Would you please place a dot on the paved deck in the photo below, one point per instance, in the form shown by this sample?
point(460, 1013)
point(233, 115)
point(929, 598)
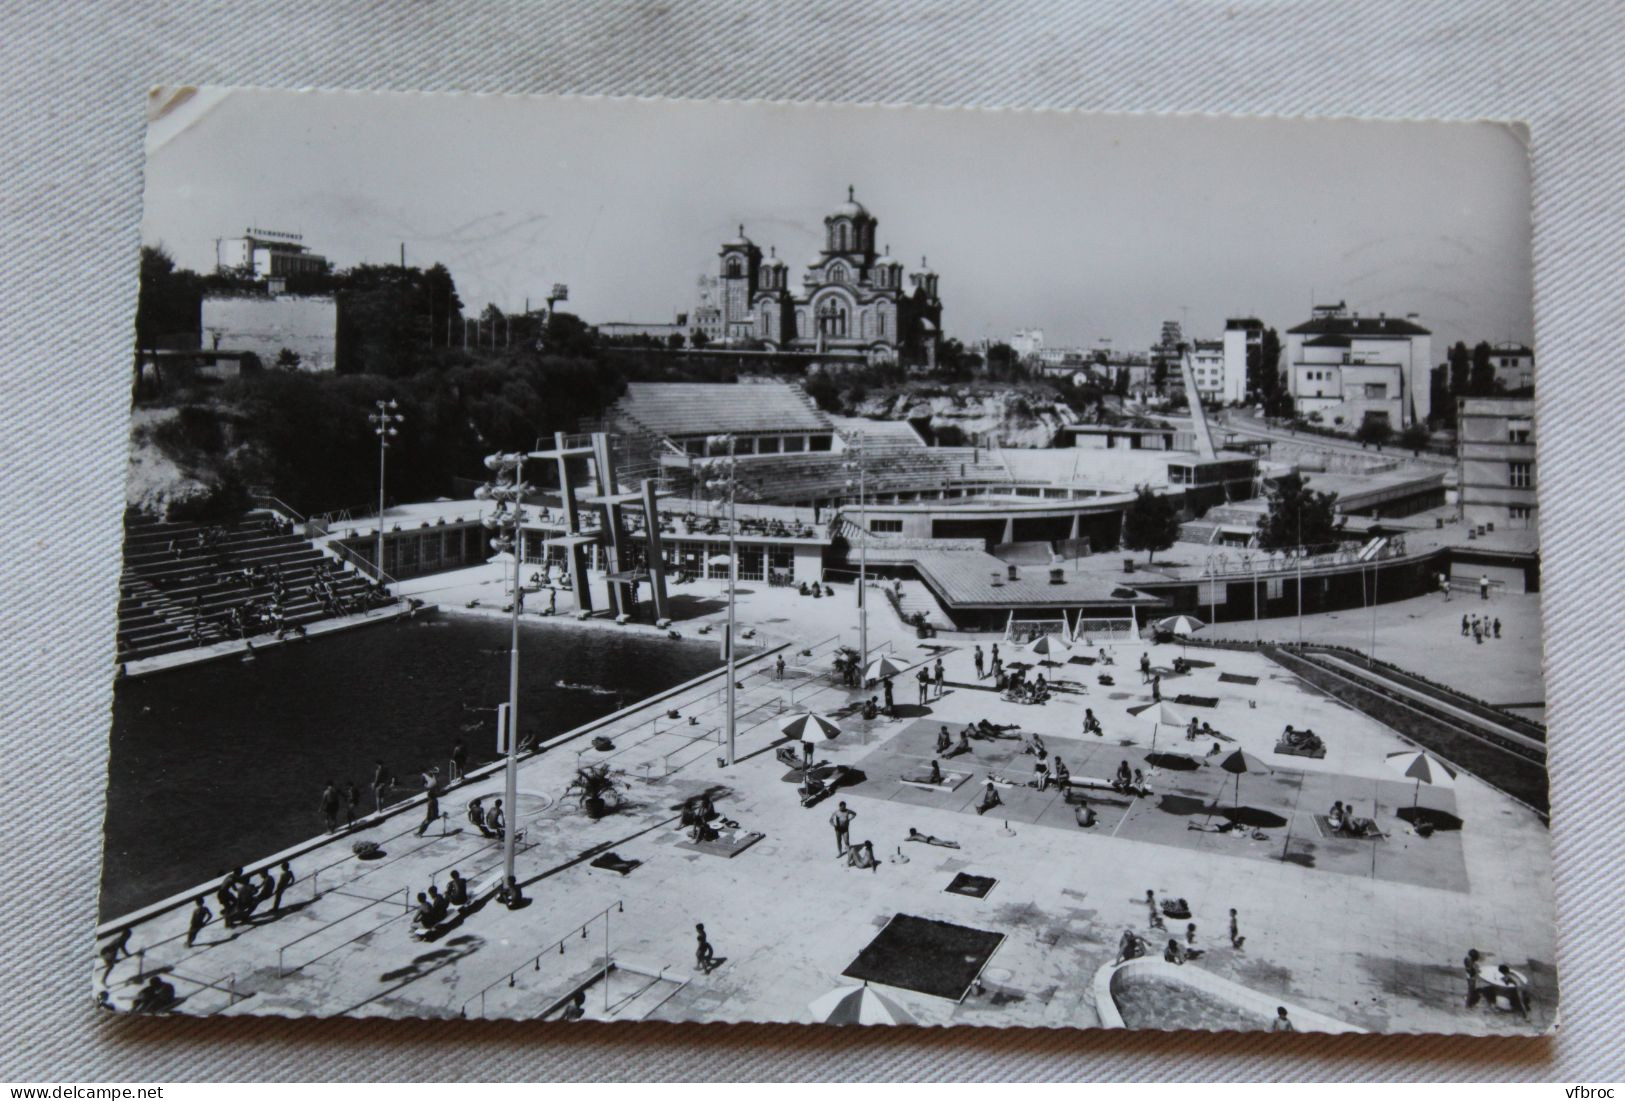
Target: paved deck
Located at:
point(1367, 932)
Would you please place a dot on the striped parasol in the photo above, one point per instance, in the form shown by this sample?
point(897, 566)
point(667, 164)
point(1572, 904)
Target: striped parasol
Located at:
point(858, 1005)
point(1424, 768)
point(1046, 646)
point(881, 668)
point(1180, 626)
point(807, 725)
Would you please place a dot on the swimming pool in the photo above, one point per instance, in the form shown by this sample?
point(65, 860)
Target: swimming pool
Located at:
point(217, 764)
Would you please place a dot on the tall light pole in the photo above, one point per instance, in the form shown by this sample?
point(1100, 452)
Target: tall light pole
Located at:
point(859, 463)
point(727, 481)
point(383, 423)
point(508, 491)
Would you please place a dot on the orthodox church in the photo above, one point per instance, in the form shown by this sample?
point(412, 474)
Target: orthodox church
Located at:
point(851, 300)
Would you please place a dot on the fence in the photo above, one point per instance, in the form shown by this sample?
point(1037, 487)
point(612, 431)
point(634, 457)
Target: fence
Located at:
point(600, 972)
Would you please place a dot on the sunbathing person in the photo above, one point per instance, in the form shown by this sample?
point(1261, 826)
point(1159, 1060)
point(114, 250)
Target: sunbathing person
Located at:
point(862, 855)
point(990, 799)
point(1191, 730)
point(1174, 953)
point(945, 740)
point(1091, 725)
point(936, 772)
point(1124, 775)
point(1085, 815)
point(1060, 774)
point(930, 839)
point(1192, 952)
point(963, 746)
point(1040, 775)
point(1334, 817)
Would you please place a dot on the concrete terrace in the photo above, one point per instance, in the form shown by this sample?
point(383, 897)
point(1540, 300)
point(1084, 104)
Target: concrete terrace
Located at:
point(1368, 932)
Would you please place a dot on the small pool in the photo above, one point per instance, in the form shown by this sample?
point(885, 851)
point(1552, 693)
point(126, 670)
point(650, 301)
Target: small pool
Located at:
point(1148, 1002)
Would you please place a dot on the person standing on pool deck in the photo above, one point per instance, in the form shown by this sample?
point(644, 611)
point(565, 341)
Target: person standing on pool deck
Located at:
point(885, 686)
point(1156, 687)
point(705, 956)
point(936, 675)
point(1470, 965)
point(1236, 939)
point(330, 806)
point(201, 916)
point(353, 810)
point(842, 821)
point(495, 821)
point(1483, 586)
point(978, 662)
point(1145, 667)
point(1281, 1023)
point(1465, 625)
point(459, 760)
point(431, 811)
point(924, 680)
point(284, 880)
point(380, 781)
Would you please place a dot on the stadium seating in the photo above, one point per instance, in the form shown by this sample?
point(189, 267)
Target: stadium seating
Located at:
point(163, 592)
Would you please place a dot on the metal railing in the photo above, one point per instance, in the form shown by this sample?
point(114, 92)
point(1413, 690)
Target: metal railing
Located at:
point(557, 947)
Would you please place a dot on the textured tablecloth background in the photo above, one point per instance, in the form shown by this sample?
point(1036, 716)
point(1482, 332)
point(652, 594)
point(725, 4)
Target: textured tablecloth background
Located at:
point(75, 76)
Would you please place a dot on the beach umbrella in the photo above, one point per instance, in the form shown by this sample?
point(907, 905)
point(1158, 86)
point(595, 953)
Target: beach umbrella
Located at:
point(881, 668)
point(807, 725)
point(1161, 713)
point(1424, 768)
point(1181, 626)
point(1238, 762)
point(1045, 646)
point(858, 1005)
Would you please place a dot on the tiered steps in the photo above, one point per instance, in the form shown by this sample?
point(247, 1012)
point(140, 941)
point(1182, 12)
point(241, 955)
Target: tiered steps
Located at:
point(171, 581)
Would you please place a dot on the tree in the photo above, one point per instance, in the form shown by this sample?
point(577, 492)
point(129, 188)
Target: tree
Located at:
point(1280, 404)
point(1298, 516)
point(287, 359)
point(1461, 366)
point(1264, 367)
point(1415, 437)
point(1482, 382)
point(1439, 398)
point(697, 339)
point(1149, 523)
point(1374, 428)
point(168, 308)
point(675, 342)
point(1001, 361)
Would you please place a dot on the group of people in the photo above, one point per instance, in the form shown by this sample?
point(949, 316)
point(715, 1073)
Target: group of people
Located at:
point(1481, 628)
point(1304, 741)
point(239, 896)
point(815, 589)
point(1507, 983)
point(1342, 819)
point(435, 907)
point(1018, 689)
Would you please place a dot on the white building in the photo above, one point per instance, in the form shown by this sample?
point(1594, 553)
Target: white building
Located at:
point(1207, 367)
point(1342, 367)
point(306, 325)
point(268, 254)
point(1028, 343)
point(1243, 344)
point(1514, 366)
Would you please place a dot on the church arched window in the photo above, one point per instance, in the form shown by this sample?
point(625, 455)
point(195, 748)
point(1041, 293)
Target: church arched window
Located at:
point(842, 241)
point(837, 273)
point(734, 270)
point(832, 318)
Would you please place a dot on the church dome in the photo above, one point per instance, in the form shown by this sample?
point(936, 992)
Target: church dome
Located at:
point(740, 241)
point(851, 208)
point(773, 262)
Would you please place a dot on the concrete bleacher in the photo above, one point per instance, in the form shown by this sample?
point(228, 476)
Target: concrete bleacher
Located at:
point(164, 592)
point(683, 409)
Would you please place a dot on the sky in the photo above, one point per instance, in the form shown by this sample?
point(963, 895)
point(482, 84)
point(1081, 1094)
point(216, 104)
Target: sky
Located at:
point(1088, 226)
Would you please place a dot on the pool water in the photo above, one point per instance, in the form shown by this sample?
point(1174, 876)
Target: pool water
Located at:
point(1146, 1002)
point(223, 763)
